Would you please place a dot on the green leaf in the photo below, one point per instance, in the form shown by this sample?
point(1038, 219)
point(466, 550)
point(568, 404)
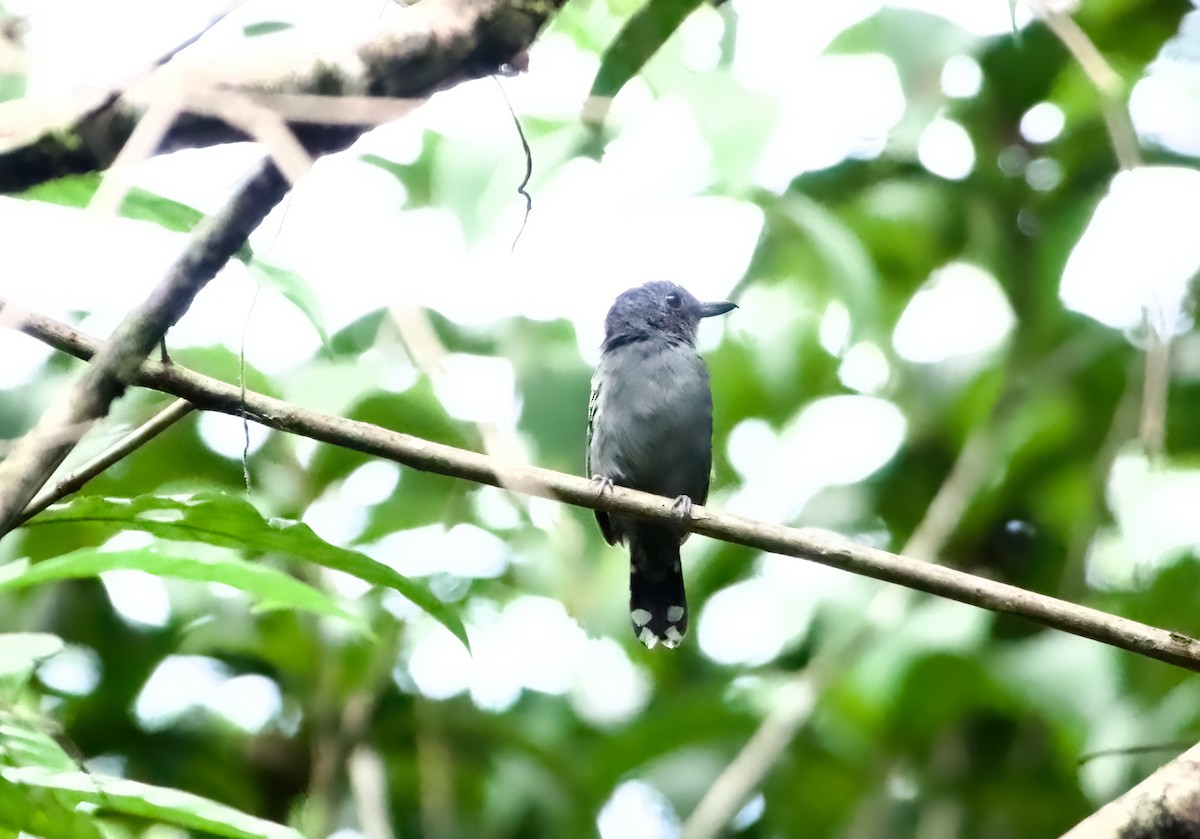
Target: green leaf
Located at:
point(19, 654)
point(71, 191)
point(37, 812)
point(78, 190)
point(273, 588)
point(292, 286)
point(231, 522)
point(416, 177)
point(130, 798)
point(25, 742)
point(266, 27)
point(173, 215)
point(21, 651)
point(641, 36)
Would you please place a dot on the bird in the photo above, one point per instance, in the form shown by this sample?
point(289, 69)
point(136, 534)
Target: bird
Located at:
point(650, 428)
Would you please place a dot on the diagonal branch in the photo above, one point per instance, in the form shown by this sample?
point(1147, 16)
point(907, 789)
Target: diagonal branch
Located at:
point(806, 543)
point(1165, 804)
point(427, 47)
point(1102, 76)
point(35, 456)
point(128, 444)
point(439, 43)
point(798, 698)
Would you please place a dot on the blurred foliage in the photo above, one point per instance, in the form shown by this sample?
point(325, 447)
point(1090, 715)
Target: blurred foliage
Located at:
point(951, 723)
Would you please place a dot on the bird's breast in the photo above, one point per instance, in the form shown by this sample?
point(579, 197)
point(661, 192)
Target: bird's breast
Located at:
point(652, 429)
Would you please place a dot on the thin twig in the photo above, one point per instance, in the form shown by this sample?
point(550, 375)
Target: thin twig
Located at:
point(1165, 804)
point(128, 444)
point(528, 164)
point(798, 699)
point(368, 785)
point(1122, 428)
point(816, 545)
point(1126, 751)
point(428, 355)
point(150, 129)
point(33, 459)
point(146, 137)
point(435, 763)
point(971, 470)
point(433, 45)
point(229, 9)
point(242, 385)
point(1102, 76)
point(341, 723)
point(1156, 383)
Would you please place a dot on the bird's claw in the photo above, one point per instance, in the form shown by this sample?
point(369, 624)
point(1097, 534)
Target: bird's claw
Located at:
point(682, 508)
point(603, 485)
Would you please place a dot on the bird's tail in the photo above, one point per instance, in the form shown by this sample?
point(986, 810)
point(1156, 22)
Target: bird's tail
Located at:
point(657, 603)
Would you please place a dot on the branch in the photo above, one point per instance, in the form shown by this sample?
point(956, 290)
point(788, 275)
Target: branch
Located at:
point(806, 543)
point(132, 441)
point(35, 456)
point(369, 788)
point(798, 698)
point(1165, 804)
point(429, 46)
point(1102, 76)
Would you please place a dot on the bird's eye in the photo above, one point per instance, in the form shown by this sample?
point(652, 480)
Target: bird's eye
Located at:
point(673, 301)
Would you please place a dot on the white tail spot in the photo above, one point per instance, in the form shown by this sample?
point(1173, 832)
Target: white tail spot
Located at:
point(673, 637)
point(641, 617)
point(648, 638)
point(674, 613)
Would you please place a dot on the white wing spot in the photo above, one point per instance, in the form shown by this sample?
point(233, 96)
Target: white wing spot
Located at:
point(648, 638)
point(641, 617)
point(674, 613)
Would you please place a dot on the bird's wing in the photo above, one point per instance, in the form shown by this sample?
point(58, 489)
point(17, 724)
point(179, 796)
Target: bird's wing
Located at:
point(702, 496)
point(593, 402)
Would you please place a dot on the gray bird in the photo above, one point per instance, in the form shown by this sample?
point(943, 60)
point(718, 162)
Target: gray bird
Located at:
point(650, 428)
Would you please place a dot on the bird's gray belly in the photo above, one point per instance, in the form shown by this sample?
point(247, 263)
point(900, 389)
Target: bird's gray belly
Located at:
point(653, 429)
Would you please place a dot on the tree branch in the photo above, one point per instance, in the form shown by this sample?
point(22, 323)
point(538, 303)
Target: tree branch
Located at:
point(1102, 76)
point(128, 444)
point(438, 44)
point(798, 698)
point(806, 543)
point(1165, 804)
point(35, 456)
point(428, 47)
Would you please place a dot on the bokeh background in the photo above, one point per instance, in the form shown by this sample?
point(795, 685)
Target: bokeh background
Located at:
point(960, 331)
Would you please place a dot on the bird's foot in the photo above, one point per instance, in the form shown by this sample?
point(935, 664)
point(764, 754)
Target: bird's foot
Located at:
point(602, 485)
point(162, 346)
point(682, 508)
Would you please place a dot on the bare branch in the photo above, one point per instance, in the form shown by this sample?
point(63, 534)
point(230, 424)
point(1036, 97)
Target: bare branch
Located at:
point(128, 444)
point(806, 543)
point(1165, 804)
point(33, 459)
point(429, 46)
point(798, 699)
point(1102, 76)
point(1156, 383)
point(368, 785)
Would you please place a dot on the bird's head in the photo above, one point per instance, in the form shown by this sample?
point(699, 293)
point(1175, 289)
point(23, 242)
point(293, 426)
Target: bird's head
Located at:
point(657, 310)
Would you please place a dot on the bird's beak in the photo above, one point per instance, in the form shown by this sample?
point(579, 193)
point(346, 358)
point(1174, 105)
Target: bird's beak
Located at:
point(708, 310)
